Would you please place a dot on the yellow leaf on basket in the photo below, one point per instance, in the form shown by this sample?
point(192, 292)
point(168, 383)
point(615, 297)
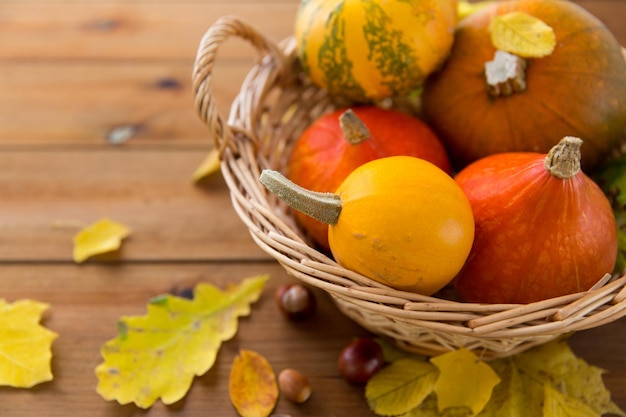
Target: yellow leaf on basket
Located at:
point(100, 237)
point(465, 8)
point(25, 345)
point(209, 166)
point(522, 34)
point(464, 380)
point(252, 385)
point(157, 355)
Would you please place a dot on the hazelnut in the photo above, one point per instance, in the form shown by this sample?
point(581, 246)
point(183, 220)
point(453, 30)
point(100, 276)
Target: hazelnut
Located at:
point(294, 386)
point(295, 301)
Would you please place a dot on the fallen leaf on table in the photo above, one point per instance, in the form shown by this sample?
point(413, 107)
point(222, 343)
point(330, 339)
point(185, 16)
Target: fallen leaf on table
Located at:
point(558, 405)
point(252, 385)
point(401, 386)
point(25, 345)
point(157, 355)
point(522, 34)
point(100, 237)
point(464, 380)
point(209, 166)
point(554, 365)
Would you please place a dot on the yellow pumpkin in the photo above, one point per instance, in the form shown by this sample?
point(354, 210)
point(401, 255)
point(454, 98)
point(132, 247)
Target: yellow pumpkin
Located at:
point(370, 50)
point(398, 220)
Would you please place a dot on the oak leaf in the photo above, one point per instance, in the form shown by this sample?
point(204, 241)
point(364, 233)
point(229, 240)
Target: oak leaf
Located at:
point(522, 34)
point(157, 355)
point(252, 385)
point(25, 345)
point(100, 237)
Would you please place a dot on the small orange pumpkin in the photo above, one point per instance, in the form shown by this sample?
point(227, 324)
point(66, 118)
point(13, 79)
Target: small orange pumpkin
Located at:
point(578, 90)
point(340, 141)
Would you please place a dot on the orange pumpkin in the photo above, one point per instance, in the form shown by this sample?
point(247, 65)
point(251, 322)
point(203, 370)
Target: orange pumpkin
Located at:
point(543, 228)
point(578, 90)
point(326, 152)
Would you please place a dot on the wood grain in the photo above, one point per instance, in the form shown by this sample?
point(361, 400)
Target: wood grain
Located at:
point(97, 120)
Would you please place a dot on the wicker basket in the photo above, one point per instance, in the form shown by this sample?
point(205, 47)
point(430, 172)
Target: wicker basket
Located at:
point(275, 104)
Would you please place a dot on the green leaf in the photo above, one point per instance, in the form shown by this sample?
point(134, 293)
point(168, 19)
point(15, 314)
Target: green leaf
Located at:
point(522, 34)
point(464, 380)
point(401, 386)
point(157, 355)
point(25, 345)
point(612, 179)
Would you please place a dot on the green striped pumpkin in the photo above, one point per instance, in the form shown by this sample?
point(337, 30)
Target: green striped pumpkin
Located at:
point(368, 50)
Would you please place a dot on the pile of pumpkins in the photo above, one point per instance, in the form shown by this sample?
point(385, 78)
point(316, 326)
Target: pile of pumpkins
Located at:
point(486, 188)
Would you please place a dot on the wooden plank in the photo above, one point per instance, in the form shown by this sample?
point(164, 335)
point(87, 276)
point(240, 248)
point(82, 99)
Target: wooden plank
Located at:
point(126, 30)
point(86, 302)
point(129, 30)
point(86, 102)
point(48, 195)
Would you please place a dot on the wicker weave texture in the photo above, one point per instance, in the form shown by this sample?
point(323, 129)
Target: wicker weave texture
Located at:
point(275, 104)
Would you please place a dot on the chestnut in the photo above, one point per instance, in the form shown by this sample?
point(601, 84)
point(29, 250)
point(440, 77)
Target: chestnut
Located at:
point(360, 360)
point(295, 301)
point(294, 386)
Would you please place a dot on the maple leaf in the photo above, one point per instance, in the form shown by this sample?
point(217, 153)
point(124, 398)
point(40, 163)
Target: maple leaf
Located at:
point(100, 237)
point(252, 387)
point(157, 355)
point(25, 345)
point(464, 380)
point(526, 375)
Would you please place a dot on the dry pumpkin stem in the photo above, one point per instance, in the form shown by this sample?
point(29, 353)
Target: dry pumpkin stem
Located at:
point(353, 128)
point(563, 160)
point(324, 207)
point(506, 74)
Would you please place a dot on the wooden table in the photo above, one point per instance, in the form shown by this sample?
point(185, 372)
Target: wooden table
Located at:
point(97, 120)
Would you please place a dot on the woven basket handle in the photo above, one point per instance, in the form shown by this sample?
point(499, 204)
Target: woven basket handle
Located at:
point(217, 34)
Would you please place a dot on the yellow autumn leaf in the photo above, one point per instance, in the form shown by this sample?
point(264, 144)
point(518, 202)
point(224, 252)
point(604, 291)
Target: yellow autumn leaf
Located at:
point(522, 34)
point(25, 345)
point(464, 380)
point(209, 166)
point(252, 385)
point(558, 405)
point(158, 354)
point(465, 8)
point(100, 237)
point(401, 386)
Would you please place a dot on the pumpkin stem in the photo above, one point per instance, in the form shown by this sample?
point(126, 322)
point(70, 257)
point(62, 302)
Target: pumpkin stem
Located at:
point(506, 74)
point(563, 160)
point(323, 207)
point(353, 128)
